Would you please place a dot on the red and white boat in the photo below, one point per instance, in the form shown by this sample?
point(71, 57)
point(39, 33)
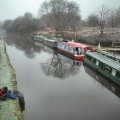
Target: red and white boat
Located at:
point(73, 50)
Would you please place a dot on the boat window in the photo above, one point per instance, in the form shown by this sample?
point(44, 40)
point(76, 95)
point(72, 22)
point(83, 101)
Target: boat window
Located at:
point(118, 74)
point(97, 62)
point(88, 57)
point(66, 47)
point(70, 49)
point(59, 45)
point(101, 65)
point(94, 60)
point(82, 50)
point(74, 51)
point(108, 69)
point(79, 50)
point(62, 46)
point(113, 72)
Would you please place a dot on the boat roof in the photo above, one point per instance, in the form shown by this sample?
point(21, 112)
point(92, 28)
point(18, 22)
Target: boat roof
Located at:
point(104, 59)
point(75, 44)
point(51, 40)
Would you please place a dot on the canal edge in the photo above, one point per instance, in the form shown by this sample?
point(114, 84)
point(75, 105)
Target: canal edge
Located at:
point(9, 108)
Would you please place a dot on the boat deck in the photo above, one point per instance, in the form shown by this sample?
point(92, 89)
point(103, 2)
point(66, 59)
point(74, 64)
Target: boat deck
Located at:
point(106, 60)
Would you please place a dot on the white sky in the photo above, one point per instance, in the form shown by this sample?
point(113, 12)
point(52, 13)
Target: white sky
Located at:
point(10, 9)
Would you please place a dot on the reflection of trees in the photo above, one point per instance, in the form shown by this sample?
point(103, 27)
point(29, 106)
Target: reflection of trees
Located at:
point(60, 66)
point(103, 81)
point(56, 63)
point(25, 43)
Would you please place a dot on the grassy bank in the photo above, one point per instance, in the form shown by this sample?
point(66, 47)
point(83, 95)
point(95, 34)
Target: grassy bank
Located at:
point(10, 109)
point(92, 36)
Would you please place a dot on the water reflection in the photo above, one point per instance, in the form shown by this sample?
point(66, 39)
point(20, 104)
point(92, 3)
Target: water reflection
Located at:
point(60, 66)
point(77, 97)
point(24, 43)
point(114, 88)
point(47, 97)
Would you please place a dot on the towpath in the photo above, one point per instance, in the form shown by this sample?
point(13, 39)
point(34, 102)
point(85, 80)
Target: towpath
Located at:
point(10, 109)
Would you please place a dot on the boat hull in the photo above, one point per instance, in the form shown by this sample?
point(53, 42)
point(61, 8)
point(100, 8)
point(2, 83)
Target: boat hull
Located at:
point(69, 54)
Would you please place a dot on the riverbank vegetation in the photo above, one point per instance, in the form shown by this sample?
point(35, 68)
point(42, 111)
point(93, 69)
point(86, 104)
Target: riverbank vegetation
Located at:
point(23, 24)
point(63, 17)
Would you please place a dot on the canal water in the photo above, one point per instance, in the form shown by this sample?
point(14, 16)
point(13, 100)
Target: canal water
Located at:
point(58, 88)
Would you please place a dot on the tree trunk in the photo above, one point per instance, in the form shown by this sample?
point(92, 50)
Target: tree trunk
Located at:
point(101, 32)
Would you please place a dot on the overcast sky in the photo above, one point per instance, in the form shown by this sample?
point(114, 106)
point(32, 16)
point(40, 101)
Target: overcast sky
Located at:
point(10, 9)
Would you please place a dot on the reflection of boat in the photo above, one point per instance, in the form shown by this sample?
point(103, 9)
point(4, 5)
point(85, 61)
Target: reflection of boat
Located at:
point(104, 64)
point(73, 50)
point(103, 81)
point(61, 66)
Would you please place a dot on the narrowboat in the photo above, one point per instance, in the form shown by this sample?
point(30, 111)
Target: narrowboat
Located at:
point(104, 64)
point(73, 50)
point(50, 42)
point(38, 38)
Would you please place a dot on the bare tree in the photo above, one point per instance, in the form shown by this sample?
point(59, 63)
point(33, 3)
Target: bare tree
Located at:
point(112, 19)
point(92, 20)
point(1, 24)
point(102, 15)
point(61, 13)
point(7, 25)
point(23, 24)
point(117, 17)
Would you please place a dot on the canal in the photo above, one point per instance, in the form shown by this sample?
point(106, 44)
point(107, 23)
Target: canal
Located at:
point(57, 88)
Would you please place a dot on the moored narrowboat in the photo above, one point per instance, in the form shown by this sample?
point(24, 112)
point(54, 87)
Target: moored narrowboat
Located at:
point(39, 38)
point(73, 50)
point(104, 64)
point(50, 42)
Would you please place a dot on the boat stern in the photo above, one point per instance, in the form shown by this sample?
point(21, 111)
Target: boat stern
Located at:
point(79, 58)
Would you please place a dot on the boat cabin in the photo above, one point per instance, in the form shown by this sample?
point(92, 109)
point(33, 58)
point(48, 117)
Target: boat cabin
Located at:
point(105, 65)
point(76, 50)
